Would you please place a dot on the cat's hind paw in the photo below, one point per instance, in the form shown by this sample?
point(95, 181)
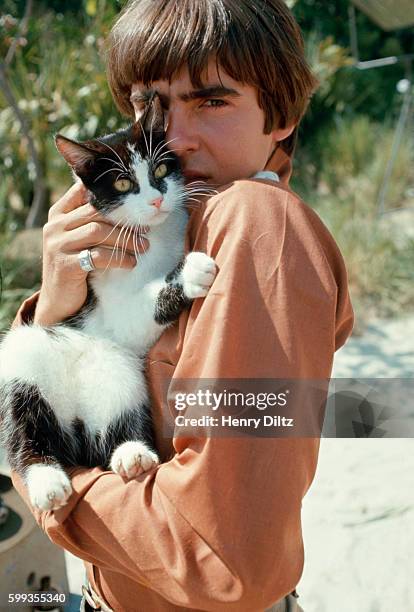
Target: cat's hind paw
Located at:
point(48, 486)
point(133, 458)
point(197, 275)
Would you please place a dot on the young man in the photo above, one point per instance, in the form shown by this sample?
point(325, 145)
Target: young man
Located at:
point(217, 526)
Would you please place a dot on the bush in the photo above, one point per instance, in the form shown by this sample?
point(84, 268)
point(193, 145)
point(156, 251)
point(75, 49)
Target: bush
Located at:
point(345, 193)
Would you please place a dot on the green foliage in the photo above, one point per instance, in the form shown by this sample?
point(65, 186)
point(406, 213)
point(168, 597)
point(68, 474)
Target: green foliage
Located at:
point(20, 278)
point(58, 78)
point(345, 193)
point(62, 89)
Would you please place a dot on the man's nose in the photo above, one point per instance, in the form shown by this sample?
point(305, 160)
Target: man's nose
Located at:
point(180, 130)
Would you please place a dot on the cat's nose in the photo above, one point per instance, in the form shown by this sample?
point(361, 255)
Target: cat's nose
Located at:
point(157, 202)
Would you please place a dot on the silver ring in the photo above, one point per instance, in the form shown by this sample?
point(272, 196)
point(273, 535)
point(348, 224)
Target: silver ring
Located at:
point(85, 261)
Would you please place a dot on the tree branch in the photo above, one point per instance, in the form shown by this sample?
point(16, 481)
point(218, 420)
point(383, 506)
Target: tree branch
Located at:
point(21, 32)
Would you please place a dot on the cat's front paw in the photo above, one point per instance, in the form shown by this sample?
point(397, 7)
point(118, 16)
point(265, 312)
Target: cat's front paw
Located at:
point(48, 486)
point(132, 459)
point(197, 275)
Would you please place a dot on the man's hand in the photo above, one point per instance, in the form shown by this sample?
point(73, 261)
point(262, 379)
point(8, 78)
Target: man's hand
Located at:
point(75, 225)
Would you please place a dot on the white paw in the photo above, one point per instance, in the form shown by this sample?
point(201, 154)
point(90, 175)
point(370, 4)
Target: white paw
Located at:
point(197, 275)
point(48, 486)
point(132, 459)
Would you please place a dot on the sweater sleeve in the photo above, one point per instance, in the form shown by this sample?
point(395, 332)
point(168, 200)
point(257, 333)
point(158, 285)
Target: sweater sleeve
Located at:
point(218, 526)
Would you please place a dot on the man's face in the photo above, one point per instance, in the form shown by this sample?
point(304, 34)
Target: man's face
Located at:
point(218, 135)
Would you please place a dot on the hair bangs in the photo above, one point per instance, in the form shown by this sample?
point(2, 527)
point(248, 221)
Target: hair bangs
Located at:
point(183, 34)
point(256, 42)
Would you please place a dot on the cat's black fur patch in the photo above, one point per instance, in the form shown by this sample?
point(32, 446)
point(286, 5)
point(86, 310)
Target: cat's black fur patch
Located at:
point(174, 274)
point(30, 428)
point(75, 321)
point(31, 431)
point(171, 300)
point(109, 150)
point(51, 332)
point(170, 303)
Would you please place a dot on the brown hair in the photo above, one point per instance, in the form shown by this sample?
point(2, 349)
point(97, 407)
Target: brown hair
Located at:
point(257, 42)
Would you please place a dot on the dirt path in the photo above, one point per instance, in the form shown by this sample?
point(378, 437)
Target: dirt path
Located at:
point(358, 517)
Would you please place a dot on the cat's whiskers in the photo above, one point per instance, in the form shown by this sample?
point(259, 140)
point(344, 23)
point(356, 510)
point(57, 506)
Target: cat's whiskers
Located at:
point(201, 190)
point(163, 157)
point(194, 200)
point(124, 230)
point(160, 147)
point(110, 170)
point(161, 152)
point(115, 247)
point(113, 161)
point(95, 214)
point(125, 242)
point(122, 174)
point(152, 124)
point(145, 137)
point(137, 235)
point(193, 206)
point(113, 150)
point(200, 184)
point(189, 194)
point(111, 232)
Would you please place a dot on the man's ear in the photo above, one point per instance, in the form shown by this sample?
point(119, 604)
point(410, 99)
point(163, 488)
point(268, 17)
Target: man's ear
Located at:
point(282, 133)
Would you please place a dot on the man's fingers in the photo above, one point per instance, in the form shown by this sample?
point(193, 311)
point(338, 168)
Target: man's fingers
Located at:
point(81, 216)
point(73, 198)
point(106, 258)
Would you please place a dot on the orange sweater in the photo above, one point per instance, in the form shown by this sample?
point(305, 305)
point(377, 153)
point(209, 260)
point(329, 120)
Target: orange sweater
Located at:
point(217, 526)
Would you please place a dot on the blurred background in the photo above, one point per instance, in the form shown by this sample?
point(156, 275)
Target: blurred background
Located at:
point(352, 165)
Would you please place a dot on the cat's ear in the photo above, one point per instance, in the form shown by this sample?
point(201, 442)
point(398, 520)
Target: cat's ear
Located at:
point(78, 154)
point(153, 118)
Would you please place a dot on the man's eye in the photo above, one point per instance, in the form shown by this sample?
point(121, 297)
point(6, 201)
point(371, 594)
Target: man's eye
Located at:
point(214, 101)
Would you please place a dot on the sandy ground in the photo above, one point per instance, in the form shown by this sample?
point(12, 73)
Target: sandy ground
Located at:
point(358, 516)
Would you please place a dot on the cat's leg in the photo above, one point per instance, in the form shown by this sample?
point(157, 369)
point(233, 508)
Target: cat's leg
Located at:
point(28, 430)
point(192, 278)
point(48, 485)
point(130, 443)
point(133, 458)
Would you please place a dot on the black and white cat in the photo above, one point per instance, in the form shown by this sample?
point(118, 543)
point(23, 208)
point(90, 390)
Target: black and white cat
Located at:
point(75, 393)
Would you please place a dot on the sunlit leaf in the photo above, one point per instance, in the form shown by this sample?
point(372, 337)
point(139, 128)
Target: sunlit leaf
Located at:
point(91, 7)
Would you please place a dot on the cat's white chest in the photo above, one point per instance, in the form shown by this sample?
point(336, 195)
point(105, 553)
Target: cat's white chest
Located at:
point(125, 310)
point(124, 314)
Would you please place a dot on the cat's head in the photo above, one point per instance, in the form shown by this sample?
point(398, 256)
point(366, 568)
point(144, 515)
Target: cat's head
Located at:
point(133, 177)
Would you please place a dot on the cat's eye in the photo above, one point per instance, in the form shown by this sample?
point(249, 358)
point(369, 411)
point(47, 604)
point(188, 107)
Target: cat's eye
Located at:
point(160, 171)
point(123, 185)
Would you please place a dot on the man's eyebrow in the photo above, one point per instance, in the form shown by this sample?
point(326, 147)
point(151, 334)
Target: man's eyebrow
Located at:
point(210, 91)
point(196, 94)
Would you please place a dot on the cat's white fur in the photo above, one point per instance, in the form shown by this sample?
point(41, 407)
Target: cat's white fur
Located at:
point(97, 374)
point(49, 487)
point(131, 458)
